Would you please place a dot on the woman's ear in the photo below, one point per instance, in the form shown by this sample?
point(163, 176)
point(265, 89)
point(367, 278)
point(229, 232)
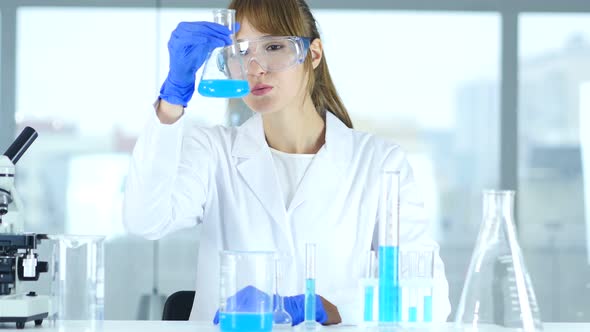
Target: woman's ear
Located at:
point(316, 50)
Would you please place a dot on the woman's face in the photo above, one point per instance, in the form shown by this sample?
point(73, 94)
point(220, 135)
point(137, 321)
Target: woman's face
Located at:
point(271, 91)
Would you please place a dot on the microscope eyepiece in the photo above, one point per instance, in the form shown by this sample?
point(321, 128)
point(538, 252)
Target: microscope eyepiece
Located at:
point(21, 144)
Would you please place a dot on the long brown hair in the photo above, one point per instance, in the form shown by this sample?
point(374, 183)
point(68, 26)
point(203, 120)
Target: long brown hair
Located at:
point(294, 18)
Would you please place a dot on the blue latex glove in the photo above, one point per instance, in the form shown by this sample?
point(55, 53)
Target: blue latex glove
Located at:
point(248, 299)
point(189, 47)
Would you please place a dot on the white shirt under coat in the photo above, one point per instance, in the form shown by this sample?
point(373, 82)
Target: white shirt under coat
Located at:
point(290, 169)
point(224, 178)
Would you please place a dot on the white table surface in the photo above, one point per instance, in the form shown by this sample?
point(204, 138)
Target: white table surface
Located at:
point(192, 326)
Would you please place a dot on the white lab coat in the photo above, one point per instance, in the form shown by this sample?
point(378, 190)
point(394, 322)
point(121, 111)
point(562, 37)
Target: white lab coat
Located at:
point(224, 178)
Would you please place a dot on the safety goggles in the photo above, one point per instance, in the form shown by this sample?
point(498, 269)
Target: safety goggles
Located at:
point(271, 53)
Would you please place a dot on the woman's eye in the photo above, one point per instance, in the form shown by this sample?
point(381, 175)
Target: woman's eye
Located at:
point(274, 47)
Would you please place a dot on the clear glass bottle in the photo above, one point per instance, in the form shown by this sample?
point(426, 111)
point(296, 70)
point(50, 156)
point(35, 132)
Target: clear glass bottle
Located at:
point(498, 289)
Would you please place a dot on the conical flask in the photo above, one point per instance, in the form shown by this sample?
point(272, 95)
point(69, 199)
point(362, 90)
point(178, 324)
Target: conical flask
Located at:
point(224, 75)
point(498, 290)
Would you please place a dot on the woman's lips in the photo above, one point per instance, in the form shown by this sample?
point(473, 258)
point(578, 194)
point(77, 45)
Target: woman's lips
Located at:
point(261, 89)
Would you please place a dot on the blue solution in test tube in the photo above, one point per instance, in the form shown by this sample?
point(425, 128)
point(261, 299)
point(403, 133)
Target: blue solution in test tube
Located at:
point(417, 283)
point(426, 269)
point(389, 288)
point(413, 305)
point(310, 301)
point(369, 296)
point(428, 308)
point(368, 287)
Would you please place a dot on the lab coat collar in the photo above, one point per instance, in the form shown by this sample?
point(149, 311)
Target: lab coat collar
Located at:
point(255, 165)
point(250, 138)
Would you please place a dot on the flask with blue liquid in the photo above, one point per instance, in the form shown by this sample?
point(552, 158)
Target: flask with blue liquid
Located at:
point(223, 73)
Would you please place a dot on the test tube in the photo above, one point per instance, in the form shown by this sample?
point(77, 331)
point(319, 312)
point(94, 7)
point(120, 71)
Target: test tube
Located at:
point(426, 269)
point(368, 286)
point(310, 301)
point(412, 258)
point(416, 281)
point(389, 290)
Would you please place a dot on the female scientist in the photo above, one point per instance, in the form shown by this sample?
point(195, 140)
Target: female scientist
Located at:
point(295, 172)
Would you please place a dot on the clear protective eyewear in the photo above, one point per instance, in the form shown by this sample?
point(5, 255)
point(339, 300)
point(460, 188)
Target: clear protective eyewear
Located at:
point(271, 53)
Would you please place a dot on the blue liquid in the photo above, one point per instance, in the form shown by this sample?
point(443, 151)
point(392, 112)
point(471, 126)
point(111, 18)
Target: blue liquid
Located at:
point(412, 314)
point(309, 300)
point(389, 290)
point(224, 88)
point(369, 294)
point(428, 308)
point(245, 322)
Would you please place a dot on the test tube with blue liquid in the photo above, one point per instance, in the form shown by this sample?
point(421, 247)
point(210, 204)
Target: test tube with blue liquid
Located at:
point(217, 79)
point(369, 286)
point(417, 281)
point(389, 288)
point(310, 298)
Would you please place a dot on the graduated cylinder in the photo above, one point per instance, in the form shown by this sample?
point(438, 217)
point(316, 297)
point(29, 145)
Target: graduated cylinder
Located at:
point(389, 288)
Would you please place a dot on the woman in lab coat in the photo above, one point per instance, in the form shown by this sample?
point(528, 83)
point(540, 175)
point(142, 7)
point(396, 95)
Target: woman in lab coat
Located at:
point(295, 172)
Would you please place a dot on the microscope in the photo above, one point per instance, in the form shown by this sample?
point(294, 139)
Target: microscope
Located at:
point(18, 259)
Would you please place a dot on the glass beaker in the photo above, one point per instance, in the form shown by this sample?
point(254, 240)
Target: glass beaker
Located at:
point(246, 291)
point(417, 282)
point(218, 80)
point(498, 289)
point(78, 277)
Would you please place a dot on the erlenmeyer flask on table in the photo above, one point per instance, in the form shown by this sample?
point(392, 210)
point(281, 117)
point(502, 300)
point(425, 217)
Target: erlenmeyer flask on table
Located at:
point(224, 75)
point(498, 289)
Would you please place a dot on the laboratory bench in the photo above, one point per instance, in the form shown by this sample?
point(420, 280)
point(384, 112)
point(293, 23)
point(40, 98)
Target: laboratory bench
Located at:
point(194, 326)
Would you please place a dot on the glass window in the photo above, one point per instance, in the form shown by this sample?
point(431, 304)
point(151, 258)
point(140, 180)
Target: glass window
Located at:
point(86, 78)
point(554, 59)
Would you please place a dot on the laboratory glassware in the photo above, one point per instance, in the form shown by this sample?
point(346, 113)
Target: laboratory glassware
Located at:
point(417, 283)
point(78, 277)
point(246, 291)
point(368, 287)
point(282, 319)
point(498, 289)
point(310, 296)
point(217, 79)
point(389, 200)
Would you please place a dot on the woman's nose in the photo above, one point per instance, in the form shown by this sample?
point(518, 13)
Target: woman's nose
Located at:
point(254, 68)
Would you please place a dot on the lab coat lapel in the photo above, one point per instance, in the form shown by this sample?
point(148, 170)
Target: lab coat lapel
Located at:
point(256, 166)
point(324, 175)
